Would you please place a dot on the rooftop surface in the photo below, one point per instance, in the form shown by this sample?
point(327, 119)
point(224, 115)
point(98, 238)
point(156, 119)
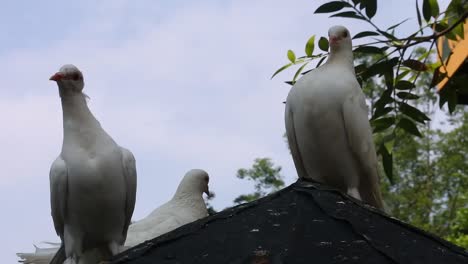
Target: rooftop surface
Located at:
point(304, 223)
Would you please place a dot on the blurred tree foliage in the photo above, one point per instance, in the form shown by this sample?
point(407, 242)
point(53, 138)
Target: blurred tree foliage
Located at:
point(209, 207)
point(429, 182)
point(266, 177)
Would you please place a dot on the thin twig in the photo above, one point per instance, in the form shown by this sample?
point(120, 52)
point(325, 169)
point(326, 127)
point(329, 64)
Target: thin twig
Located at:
point(434, 36)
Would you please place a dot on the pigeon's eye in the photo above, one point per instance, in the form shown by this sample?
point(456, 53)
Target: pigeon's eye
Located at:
point(75, 76)
point(345, 34)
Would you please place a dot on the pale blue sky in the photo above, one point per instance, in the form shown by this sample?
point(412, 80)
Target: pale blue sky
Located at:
point(183, 85)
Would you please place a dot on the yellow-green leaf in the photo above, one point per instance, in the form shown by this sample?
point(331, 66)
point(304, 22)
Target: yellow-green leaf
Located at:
point(281, 69)
point(309, 48)
point(291, 56)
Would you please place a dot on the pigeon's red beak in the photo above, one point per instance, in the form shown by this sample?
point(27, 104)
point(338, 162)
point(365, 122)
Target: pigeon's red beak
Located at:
point(56, 77)
point(334, 39)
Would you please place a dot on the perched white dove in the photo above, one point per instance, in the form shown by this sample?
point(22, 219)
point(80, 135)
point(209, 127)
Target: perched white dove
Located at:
point(186, 206)
point(327, 126)
point(92, 182)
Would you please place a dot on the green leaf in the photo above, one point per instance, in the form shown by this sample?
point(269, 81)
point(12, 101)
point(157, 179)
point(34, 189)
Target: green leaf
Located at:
point(457, 7)
point(291, 56)
point(350, 14)
point(409, 126)
point(403, 74)
point(424, 55)
point(382, 123)
point(418, 13)
point(443, 96)
point(363, 4)
point(407, 96)
point(323, 44)
point(331, 7)
point(309, 48)
point(413, 113)
point(452, 100)
point(430, 9)
point(388, 35)
point(381, 111)
point(282, 69)
point(440, 26)
point(434, 8)
point(358, 69)
point(387, 162)
point(388, 77)
point(380, 68)
point(397, 24)
point(437, 77)
point(365, 34)
point(389, 142)
point(368, 50)
point(427, 10)
point(415, 65)
point(404, 85)
point(299, 71)
point(384, 99)
point(371, 8)
point(459, 31)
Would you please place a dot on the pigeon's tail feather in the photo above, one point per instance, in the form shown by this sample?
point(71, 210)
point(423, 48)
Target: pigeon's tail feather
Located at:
point(41, 256)
point(60, 256)
point(370, 191)
point(377, 198)
point(33, 258)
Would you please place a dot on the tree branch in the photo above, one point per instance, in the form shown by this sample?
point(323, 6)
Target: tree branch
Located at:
point(434, 36)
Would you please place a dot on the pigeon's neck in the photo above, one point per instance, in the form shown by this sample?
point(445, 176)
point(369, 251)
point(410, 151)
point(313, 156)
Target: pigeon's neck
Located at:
point(76, 114)
point(188, 195)
point(341, 57)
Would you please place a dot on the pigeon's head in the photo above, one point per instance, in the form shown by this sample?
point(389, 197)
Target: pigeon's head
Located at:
point(195, 181)
point(339, 38)
point(69, 79)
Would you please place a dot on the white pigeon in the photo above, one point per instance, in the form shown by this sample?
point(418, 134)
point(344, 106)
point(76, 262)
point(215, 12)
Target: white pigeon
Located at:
point(186, 206)
point(327, 125)
point(92, 182)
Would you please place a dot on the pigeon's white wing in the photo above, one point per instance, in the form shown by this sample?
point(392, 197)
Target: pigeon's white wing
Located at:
point(130, 175)
point(360, 140)
point(154, 219)
point(149, 228)
point(58, 177)
point(292, 140)
point(168, 225)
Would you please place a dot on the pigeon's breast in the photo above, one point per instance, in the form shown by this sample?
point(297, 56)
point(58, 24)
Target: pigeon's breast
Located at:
point(96, 183)
point(316, 103)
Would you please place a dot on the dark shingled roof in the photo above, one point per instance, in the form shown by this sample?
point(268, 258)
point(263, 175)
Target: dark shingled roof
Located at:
point(303, 223)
